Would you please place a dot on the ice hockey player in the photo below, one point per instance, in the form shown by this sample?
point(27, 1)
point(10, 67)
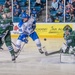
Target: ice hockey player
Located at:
point(27, 29)
point(5, 27)
point(69, 36)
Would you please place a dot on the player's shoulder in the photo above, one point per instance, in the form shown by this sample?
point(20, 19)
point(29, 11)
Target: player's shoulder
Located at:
point(32, 20)
point(20, 23)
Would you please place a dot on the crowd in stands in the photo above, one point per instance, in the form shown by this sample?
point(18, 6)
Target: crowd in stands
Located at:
point(6, 4)
point(70, 11)
point(36, 7)
point(55, 14)
point(19, 7)
point(56, 11)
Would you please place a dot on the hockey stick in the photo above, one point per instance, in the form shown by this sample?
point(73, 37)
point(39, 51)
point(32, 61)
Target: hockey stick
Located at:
point(3, 37)
point(13, 43)
point(19, 50)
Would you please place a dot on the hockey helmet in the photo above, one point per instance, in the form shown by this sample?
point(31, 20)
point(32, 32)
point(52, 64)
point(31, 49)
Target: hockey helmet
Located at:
point(24, 15)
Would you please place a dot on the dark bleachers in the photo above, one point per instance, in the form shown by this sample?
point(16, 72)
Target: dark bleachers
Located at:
point(2, 1)
point(22, 4)
point(43, 1)
point(24, 8)
point(38, 8)
point(32, 1)
point(19, 0)
point(23, 0)
point(16, 19)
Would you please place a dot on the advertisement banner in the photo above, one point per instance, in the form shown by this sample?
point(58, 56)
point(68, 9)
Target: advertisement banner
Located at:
point(50, 30)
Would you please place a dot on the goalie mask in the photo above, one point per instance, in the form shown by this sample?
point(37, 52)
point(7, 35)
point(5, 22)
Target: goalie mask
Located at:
point(67, 28)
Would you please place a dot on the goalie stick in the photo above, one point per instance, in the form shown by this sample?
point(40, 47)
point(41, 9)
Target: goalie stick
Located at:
point(51, 53)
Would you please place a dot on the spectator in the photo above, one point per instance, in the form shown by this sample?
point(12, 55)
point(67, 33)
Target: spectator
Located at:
point(68, 8)
point(10, 8)
point(70, 11)
point(61, 4)
point(70, 1)
point(38, 2)
point(68, 17)
point(60, 11)
point(54, 4)
point(72, 18)
point(49, 19)
point(57, 20)
point(22, 12)
point(1, 8)
point(15, 2)
point(57, 11)
point(17, 11)
point(34, 13)
point(73, 6)
point(7, 3)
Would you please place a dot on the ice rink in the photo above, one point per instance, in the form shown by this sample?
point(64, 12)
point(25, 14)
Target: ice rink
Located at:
point(31, 62)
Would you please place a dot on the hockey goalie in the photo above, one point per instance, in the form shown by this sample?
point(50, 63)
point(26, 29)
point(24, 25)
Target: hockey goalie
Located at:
point(69, 36)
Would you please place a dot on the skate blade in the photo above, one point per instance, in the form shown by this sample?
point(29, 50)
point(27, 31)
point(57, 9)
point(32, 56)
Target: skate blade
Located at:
point(14, 61)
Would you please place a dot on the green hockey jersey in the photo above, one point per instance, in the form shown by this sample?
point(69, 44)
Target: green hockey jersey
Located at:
point(5, 24)
point(71, 38)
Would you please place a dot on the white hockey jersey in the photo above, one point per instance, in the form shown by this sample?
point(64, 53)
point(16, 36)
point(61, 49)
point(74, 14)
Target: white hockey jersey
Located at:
point(28, 27)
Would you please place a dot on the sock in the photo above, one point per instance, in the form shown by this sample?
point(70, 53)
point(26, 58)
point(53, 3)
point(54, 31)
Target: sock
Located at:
point(12, 52)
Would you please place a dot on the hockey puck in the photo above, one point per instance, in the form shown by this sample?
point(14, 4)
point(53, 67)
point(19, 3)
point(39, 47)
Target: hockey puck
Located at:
point(45, 39)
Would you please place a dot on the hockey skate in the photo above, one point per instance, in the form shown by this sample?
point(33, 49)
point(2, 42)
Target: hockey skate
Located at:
point(74, 52)
point(40, 50)
point(1, 48)
point(67, 51)
point(17, 52)
point(13, 58)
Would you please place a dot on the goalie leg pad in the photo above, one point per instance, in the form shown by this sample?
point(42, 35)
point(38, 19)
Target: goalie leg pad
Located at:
point(64, 48)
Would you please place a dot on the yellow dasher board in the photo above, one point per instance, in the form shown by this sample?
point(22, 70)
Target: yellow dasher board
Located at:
point(48, 30)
